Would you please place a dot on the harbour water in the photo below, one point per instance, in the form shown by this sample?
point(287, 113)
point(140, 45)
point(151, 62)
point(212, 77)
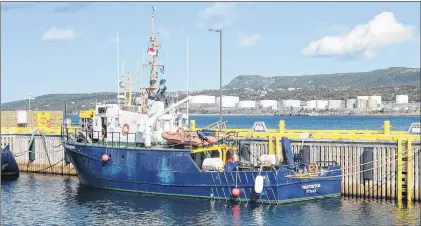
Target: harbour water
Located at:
point(303, 122)
point(312, 122)
point(57, 200)
point(36, 199)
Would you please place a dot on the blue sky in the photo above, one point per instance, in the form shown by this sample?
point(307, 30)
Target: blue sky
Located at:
point(70, 47)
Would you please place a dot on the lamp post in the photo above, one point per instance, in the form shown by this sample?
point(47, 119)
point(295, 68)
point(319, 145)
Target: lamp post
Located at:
point(220, 71)
point(29, 101)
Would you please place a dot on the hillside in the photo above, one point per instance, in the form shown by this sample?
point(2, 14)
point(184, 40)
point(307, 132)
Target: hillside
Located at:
point(386, 83)
point(395, 76)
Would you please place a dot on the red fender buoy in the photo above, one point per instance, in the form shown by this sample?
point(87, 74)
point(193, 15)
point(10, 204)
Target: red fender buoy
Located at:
point(105, 158)
point(235, 192)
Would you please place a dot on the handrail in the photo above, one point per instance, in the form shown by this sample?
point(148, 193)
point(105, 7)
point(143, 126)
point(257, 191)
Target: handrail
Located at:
point(116, 140)
point(386, 134)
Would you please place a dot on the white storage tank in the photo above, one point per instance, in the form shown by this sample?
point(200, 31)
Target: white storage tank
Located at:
point(228, 101)
point(247, 104)
point(311, 104)
point(350, 103)
point(291, 103)
point(377, 98)
point(202, 99)
point(334, 104)
point(269, 104)
point(321, 104)
point(371, 103)
point(401, 99)
point(363, 97)
point(21, 117)
point(361, 103)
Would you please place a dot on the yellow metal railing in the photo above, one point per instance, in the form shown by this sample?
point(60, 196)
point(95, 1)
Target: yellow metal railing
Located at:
point(29, 130)
point(385, 134)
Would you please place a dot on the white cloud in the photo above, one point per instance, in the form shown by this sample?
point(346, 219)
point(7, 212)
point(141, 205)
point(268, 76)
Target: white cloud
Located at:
point(164, 31)
point(218, 15)
point(368, 54)
point(58, 34)
point(383, 30)
point(249, 40)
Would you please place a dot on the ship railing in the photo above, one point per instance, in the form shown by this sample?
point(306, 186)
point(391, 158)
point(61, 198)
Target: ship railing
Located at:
point(223, 137)
point(321, 163)
point(113, 139)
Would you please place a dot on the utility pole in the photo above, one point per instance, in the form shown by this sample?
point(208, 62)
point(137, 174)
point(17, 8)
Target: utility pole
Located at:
point(29, 98)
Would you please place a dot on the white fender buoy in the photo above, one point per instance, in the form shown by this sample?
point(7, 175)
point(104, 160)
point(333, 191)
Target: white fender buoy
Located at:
point(258, 184)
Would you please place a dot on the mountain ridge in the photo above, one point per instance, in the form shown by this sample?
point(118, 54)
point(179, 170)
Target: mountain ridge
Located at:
point(385, 82)
point(351, 80)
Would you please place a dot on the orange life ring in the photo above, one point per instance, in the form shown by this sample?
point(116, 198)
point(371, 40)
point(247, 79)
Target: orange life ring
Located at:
point(126, 128)
point(43, 120)
point(313, 168)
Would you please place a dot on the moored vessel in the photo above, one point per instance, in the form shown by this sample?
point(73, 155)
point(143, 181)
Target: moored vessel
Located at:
point(9, 166)
point(144, 145)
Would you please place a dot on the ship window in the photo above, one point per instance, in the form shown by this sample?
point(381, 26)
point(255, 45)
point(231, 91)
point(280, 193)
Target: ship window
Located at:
point(102, 110)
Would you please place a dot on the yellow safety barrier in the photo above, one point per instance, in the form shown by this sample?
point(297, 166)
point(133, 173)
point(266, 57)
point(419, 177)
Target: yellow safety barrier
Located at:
point(385, 134)
point(29, 130)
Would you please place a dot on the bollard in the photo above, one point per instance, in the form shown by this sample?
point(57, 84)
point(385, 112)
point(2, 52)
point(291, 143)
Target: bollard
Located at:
point(386, 127)
point(281, 126)
point(192, 125)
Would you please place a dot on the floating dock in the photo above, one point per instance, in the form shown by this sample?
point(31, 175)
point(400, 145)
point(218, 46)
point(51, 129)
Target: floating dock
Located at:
point(376, 164)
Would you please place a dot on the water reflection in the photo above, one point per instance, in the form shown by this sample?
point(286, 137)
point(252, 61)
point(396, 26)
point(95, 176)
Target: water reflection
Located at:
point(46, 200)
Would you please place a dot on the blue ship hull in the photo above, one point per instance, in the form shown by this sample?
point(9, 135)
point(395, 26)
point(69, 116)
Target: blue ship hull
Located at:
point(174, 172)
point(9, 166)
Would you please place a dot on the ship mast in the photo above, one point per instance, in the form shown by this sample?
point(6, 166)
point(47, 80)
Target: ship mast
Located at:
point(127, 86)
point(149, 91)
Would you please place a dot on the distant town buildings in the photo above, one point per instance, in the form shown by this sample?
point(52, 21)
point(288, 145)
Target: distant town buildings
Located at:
point(365, 103)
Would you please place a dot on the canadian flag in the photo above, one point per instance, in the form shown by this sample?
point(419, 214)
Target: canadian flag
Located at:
point(151, 51)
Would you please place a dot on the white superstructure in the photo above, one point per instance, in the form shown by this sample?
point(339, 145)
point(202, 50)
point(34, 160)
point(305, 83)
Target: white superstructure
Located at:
point(111, 120)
